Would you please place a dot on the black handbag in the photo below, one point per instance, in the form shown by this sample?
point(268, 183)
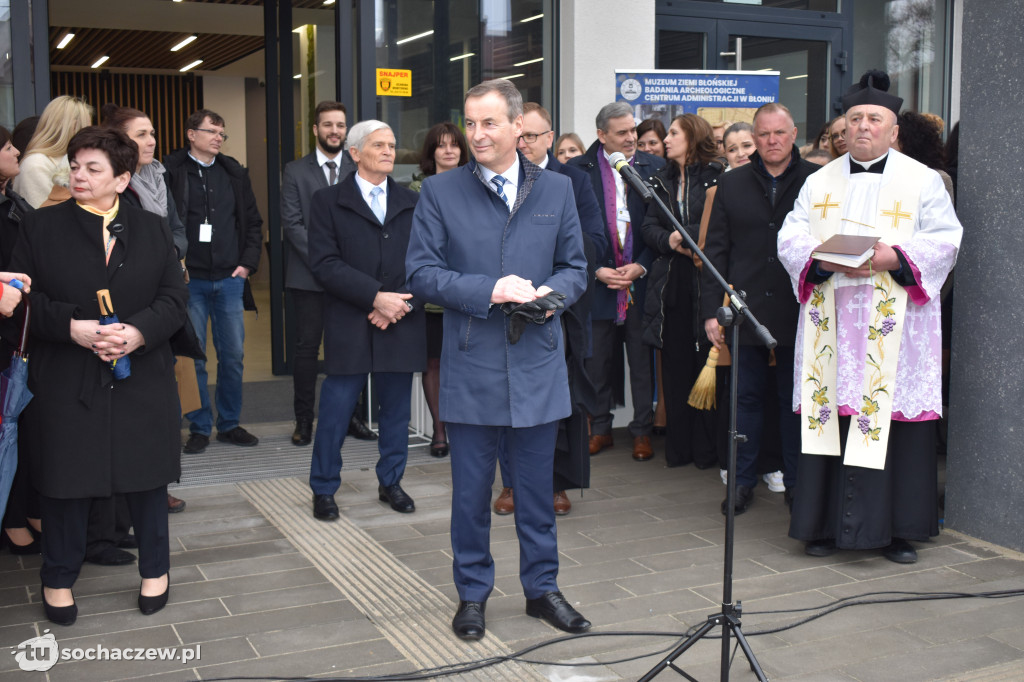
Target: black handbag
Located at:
point(185, 341)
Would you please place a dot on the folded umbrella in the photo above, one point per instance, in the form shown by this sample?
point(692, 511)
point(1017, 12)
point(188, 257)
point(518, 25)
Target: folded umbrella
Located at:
point(122, 367)
point(14, 396)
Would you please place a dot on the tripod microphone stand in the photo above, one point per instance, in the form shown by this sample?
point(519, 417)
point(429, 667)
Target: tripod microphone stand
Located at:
point(728, 316)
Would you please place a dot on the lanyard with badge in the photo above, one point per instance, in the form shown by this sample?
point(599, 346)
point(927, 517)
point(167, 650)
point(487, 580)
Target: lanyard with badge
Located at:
point(205, 228)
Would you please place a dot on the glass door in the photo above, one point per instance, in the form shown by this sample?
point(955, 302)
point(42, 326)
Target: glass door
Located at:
point(809, 59)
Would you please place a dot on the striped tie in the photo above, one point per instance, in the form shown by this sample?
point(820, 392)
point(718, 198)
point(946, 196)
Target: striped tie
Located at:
point(499, 186)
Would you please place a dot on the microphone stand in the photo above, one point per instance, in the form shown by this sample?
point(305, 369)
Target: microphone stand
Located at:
point(728, 316)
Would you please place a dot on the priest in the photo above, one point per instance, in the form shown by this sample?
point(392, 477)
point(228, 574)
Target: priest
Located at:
point(868, 349)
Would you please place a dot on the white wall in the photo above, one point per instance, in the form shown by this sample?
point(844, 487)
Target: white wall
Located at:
point(597, 37)
point(226, 96)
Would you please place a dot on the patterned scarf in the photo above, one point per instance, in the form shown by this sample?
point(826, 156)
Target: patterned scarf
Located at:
point(623, 249)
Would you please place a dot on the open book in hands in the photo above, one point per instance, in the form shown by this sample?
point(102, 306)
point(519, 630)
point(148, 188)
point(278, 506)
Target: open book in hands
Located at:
point(848, 250)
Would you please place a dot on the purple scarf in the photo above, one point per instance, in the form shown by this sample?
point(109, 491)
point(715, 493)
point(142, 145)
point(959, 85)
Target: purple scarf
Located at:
point(624, 250)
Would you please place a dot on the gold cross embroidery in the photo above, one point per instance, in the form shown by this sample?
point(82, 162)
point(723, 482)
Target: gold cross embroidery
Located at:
point(824, 206)
point(896, 214)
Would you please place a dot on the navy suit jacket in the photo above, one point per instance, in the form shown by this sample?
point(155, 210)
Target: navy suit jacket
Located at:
point(604, 301)
point(463, 240)
point(353, 256)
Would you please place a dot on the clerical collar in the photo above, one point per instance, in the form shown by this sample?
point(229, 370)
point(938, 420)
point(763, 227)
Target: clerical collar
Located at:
point(872, 166)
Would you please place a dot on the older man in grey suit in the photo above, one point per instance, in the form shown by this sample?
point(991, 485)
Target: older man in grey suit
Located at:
point(326, 165)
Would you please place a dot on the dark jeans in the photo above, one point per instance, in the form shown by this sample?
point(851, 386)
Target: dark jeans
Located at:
point(751, 401)
point(309, 332)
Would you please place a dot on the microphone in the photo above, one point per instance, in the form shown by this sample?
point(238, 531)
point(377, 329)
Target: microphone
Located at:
point(619, 163)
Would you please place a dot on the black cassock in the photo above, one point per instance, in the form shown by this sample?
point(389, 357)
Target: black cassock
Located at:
point(864, 508)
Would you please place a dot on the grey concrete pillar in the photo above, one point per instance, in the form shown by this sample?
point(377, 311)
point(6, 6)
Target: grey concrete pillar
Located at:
point(985, 469)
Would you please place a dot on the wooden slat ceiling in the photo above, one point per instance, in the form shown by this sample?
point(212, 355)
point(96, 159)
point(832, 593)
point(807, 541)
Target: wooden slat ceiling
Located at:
point(148, 49)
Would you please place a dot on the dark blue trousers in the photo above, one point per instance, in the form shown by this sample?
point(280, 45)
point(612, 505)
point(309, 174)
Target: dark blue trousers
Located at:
point(338, 396)
point(474, 450)
point(751, 398)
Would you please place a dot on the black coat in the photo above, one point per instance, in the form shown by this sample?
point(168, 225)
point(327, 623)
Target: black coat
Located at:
point(673, 277)
point(90, 436)
point(13, 209)
point(742, 243)
point(353, 257)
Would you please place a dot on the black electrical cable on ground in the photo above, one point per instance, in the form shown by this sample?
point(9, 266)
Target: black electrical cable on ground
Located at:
point(520, 656)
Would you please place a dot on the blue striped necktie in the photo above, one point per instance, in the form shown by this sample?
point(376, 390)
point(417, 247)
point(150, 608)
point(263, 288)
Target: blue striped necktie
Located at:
point(499, 185)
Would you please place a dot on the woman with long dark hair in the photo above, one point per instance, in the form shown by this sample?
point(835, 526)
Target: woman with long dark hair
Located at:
point(444, 148)
point(671, 320)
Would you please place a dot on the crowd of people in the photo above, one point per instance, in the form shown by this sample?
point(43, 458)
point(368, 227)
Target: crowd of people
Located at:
point(521, 275)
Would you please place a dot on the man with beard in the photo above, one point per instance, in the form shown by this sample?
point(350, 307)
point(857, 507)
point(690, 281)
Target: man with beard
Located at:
point(326, 165)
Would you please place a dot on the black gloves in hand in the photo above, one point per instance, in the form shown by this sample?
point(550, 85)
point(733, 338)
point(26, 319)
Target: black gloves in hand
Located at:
point(535, 311)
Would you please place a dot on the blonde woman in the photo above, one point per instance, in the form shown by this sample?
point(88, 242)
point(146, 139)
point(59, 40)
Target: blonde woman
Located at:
point(45, 163)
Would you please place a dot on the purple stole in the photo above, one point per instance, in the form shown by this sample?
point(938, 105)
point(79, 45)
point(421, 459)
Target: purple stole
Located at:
point(623, 250)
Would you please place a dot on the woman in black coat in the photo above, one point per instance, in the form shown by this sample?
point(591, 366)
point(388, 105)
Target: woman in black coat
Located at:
point(21, 519)
point(671, 321)
point(92, 435)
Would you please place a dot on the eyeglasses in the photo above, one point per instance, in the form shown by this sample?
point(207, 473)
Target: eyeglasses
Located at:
point(532, 137)
point(222, 136)
point(838, 136)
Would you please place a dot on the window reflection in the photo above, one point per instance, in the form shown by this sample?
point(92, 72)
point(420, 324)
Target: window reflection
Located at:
point(451, 46)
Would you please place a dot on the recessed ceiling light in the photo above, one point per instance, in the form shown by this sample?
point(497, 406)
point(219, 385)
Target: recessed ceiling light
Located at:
point(415, 37)
point(515, 75)
point(533, 18)
point(191, 66)
point(64, 41)
point(462, 56)
point(99, 62)
point(183, 43)
point(328, 2)
point(297, 76)
point(529, 61)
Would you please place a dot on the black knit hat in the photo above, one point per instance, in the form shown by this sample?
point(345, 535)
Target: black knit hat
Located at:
point(872, 89)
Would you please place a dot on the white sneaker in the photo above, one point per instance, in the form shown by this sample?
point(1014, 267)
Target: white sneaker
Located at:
point(774, 481)
point(724, 473)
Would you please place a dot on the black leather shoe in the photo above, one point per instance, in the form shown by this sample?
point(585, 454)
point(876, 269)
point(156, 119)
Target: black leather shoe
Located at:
point(128, 542)
point(468, 622)
point(824, 547)
point(61, 615)
point(111, 556)
point(324, 507)
point(399, 499)
point(303, 434)
point(554, 608)
point(196, 443)
point(741, 503)
point(357, 428)
point(900, 551)
point(238, 436)
point(150, 605)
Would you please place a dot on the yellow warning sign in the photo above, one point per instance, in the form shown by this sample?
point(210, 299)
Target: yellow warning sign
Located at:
point(394, 82)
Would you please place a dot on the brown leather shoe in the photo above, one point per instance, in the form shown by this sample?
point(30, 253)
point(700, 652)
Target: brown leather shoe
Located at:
point(504, 505)
point(562, 504)
point(600, 442)
point(174, 505)
point(642, 450)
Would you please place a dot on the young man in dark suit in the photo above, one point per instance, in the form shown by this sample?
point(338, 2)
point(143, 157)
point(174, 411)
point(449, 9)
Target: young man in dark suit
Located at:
point(326, 165)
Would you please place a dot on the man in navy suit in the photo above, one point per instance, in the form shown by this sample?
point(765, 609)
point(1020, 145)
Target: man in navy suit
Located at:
point(500, 230)
point(618, 306)
point(326, 165)
point(572, 461)
point(358, 236)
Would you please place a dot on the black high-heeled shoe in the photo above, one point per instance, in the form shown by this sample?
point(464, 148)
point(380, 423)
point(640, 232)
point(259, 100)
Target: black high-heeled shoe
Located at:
point(61, 615)
point(150, 605)
point(20, 550)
